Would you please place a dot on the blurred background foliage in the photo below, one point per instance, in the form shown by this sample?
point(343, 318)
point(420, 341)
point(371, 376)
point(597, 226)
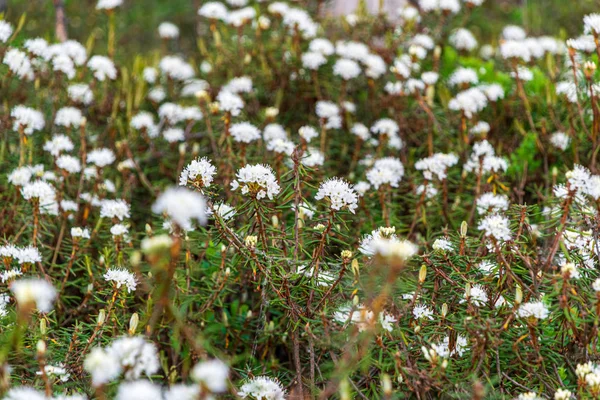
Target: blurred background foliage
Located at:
point(138, 19)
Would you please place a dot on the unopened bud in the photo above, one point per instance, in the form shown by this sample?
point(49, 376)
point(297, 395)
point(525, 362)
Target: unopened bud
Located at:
point(101, 317)
point(346, 255)
point(518, 295)
point(422, 273)
point(463, 229)
point(251, 241)
point(355, 267)
point(43, 326)
point(133, 323)
point(41, 347)
point(275, 221)
point(444, 310)
point(386, 384)
point(355, 300)
point(182, 149)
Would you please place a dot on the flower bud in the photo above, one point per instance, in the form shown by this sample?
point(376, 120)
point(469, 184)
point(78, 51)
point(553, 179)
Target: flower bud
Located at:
point(444, 310)
point(133, 323)
point(346, 255)
point(518, 295)
point(41, 347)
point(355, 267)
point(386, 384)
point(182, 149)
point(275, 221)
point(463, 229)
point(422, 274)
point(251, 241)
point(355, 300)
point(43, 326)
point(101, 317)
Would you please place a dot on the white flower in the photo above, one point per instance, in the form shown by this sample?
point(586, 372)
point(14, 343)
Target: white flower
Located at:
point(224, 210)
point(173, 135)
point(108, 4)
point(244, 132)
point(470, 102)
point(476, 295)
point(118, 230)
point(339, 194)
point(181, 391)
point(121, 277)
point(136, 356)
point(463, 39)
point(463, 76)
point(182, 206)
point(68, 163)
point(361, 131)
point(513, 32)
point(168, 30)
point(386, 171)
point(77, 232)
point(560, 140)
point(327, 109)
point(80, 93)
point(7, 276)
point(562, 394)
point(313, 60)
point(393, 248)
point(40, 191)
point(57, 144)
point(176, 68)
point(481, 128)
point(436, 165)
point(308, 133)
point(591, 23)
point(443, 245)
point(322, 46)
point(533, 309)
point(257, 180)
point(69, 117)
point(37, 47)
point(199, 172)
point(230, 102)
point(422, 311)
point(101, 157)
point(103, 68)
point(313, 158)
point(36, 292)
point(385, 126)
point(238, 85)
point(142, 120)
point(102, 365)
point(6, 30)
point(213, 10)
point(362, 187)
point(24, 393)
point(596, 285)
point(18, 63)
point(139, 390)
point(262, 387)
point(490, 202)
point(28, 119)
point(157, 94)
point(114, 209)
point(493, 92)
point(569, 270)
point(496, 226)
point(63, 63)
point(28, 255)
point(281, 146)
point(212, 375)
point(150, 74)
point(513, 49)
point(346, 69)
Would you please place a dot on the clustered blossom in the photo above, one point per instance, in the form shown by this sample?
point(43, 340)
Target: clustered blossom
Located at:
point(182, 206)
point(199, 173)
point(257, 181)
point(339, 194)
point(121, 277)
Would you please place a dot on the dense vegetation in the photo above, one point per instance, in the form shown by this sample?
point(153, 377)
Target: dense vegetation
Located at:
point(262, 202)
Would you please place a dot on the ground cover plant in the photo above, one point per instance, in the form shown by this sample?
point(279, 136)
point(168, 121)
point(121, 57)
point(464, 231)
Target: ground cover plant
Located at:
point(278, 204)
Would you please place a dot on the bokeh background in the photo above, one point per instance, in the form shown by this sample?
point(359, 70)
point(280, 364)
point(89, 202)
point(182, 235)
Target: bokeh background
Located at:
point(138, 19)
